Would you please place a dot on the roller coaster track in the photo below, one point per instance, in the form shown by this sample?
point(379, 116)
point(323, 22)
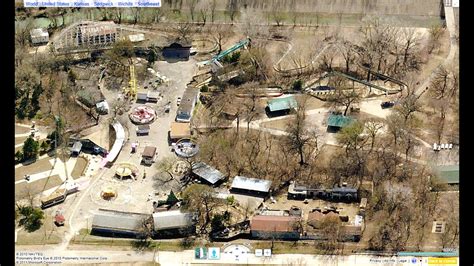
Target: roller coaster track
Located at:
point(384, 77)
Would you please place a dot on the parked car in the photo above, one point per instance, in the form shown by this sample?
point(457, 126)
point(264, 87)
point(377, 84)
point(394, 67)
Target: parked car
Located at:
point(387, 104)
point(178, 101)
point(168, 107)
point(323, 88)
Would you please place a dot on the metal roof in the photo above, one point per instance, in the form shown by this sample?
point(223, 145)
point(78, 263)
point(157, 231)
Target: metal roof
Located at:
point(35, 33)
point(448, 173)
point(180, 130)
point(339, 120)
point(247, 183)
point(149, 151)
point(172, 220)
point(188, 101)
point(344, 190)
point(207, 172)
point(119, 221)
point(279, 104)
point(273, 223)
point(77, 146)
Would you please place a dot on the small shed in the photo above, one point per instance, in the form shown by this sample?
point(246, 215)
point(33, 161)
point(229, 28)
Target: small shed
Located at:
point(153, 96)
point(177, 50)
point(336, 122)
point(207, 174)
point(39, 36)
point(102, 107)
point(251, 186)
point(148, 155)
point(180, 131)
point(143, 130)
point(142, 96)
point(281, 105)
point(76, 148)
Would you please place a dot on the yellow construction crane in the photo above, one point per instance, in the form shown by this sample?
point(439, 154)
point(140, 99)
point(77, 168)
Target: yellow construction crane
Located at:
point(131, 91)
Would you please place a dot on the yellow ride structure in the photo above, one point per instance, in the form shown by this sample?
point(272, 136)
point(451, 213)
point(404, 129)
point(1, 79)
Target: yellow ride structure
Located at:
point(131, 91)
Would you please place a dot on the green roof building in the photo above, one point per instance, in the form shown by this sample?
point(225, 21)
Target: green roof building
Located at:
point(281, 104)
point(339, 121)
point(448, 174)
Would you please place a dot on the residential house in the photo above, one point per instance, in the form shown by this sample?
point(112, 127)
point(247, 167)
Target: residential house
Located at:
point(275, 227)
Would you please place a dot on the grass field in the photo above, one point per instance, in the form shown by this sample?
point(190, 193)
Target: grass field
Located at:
point(23, 189)
point(47, 234)
point(84, 238)
point(36, 167)
point(20, 140)
point(79, 167)
point(22, 130)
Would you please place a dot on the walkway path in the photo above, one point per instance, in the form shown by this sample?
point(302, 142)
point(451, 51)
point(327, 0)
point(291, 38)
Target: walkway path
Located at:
point(451, 26)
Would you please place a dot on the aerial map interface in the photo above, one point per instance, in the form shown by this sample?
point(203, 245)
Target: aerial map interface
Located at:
point(199, 132)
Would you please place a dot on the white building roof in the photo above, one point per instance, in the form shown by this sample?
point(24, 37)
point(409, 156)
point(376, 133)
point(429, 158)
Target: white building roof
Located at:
point(172, 220)
point(36, 33)
point(119, 139)
point(254, 184)
point(118, 221)
point(137, 37)
point(102, 105)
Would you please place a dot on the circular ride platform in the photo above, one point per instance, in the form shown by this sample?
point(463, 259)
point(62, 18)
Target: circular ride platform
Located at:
point(126, 170)
point(142, 114)
point(186, 148)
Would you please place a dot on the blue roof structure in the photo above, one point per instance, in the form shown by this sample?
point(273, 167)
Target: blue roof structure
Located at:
point(279, 104)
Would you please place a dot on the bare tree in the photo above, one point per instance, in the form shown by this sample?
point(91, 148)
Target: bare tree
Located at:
point(373, 127)
point(222, 33)
point(232, 9)
point(435, 35)
point(203, 7)
point(201, 199)
point(213, 6)
point(184, 30)
point(277, 15)
point(299, 136)
point(346, 48)
point(22, 32)
point(443, 84)
point(345, 97)
point(166, 166)
point(192, 8)
point(118, 14)
point(137, 14)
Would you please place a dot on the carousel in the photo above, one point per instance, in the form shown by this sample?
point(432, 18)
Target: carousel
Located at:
point(142, 114)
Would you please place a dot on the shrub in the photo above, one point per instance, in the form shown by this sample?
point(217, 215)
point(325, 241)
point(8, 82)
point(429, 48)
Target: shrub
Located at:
point(297, 85)
point(204, 88)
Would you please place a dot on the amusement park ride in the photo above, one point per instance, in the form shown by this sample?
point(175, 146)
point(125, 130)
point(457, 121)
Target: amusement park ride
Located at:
point(131, 91)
